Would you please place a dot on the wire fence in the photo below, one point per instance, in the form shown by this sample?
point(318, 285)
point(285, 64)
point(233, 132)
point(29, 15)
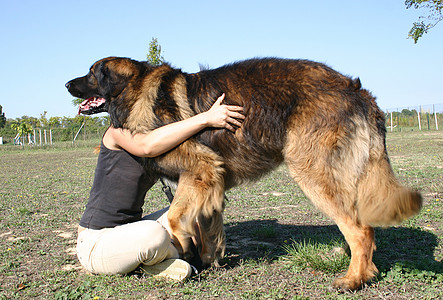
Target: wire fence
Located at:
point(421, 117)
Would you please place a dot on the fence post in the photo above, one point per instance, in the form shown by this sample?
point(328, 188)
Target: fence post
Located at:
point(50, 136)
point(418, 116)
point(392, 128)
point(83, 124)
point(435, 117)
point(398, 121)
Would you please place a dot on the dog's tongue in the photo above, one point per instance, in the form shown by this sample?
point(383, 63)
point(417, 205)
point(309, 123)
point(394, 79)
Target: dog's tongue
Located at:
point(90, 103)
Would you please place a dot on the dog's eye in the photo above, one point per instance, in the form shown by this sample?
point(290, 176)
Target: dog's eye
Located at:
point(92, 79)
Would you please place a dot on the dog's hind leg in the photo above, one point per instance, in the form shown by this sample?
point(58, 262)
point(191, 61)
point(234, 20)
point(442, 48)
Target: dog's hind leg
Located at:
point(327, 165)
point(361, 241)
point(360, 238)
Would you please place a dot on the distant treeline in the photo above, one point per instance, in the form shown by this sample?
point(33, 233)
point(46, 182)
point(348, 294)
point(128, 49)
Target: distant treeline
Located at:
point(60, 128)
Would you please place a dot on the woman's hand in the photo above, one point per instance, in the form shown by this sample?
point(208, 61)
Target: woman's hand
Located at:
point(163, 139)
point(227, 116)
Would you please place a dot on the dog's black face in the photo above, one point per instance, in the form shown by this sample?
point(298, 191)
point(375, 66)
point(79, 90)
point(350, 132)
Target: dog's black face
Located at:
point(105, 81)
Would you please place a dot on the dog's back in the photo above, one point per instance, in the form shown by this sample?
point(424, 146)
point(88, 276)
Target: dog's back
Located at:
point(277, 95)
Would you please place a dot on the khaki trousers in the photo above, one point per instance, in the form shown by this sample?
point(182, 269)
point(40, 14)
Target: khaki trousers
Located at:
point(122, 249)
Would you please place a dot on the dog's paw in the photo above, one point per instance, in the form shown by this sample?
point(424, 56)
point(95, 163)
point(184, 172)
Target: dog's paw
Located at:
point(344, 284)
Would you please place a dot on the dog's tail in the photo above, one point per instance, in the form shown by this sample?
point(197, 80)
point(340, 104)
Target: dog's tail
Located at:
point(382, 200)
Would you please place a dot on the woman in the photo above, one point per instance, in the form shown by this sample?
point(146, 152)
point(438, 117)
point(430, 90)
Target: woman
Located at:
point(113, 238)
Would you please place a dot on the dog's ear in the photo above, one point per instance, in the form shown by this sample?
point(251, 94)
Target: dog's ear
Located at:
point(110, 81)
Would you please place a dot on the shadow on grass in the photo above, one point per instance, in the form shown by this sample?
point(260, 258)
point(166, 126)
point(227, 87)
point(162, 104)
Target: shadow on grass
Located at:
point(409, 247)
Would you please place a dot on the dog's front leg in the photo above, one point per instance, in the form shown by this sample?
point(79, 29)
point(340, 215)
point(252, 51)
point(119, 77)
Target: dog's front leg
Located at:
point(198, 200)
point(212, 237)
point(181, 216)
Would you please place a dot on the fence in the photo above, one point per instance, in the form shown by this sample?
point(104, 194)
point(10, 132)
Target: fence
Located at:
point(34, 138)
point(422, 117)
point(53, 136)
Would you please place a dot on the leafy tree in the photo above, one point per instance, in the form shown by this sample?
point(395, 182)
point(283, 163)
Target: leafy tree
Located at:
point(2, 117)
point(54, 122)
point(425, 22)
point(154, 55)
point(32, 121)
point(77, 101)
point(43, 119)
point(77, 121)
point(22, 128)
point(407, 112)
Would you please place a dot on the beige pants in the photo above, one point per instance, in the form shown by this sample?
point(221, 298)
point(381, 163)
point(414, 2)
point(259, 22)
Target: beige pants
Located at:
point(122, 249)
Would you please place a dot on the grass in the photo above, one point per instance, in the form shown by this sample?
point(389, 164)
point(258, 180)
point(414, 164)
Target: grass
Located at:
point(278, 245)
point(327, 258)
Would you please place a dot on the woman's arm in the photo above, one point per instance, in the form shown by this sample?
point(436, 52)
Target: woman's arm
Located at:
point(169, 136)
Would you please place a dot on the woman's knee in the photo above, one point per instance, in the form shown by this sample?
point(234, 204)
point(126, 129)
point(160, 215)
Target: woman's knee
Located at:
point(156, 244)
point(153, 236)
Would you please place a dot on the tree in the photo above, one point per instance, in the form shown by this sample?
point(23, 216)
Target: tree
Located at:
point(2, 117)
point(77, 101)
point(43, 119)
point(32, 121)
point(407, 112)
point(54, 122)
point(425, 22)
point(154, 55)
point(21, 128)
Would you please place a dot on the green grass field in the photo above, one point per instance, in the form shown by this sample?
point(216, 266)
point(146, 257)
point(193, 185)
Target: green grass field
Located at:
point(278, 245)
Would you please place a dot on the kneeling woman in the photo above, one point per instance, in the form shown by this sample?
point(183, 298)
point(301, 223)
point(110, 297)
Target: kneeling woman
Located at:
point(113, 238)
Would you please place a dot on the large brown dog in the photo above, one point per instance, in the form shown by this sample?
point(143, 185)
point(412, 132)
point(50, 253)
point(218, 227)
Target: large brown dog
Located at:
point(323, 125)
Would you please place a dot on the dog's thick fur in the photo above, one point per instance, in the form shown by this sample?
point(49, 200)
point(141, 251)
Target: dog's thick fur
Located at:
point(323, 125)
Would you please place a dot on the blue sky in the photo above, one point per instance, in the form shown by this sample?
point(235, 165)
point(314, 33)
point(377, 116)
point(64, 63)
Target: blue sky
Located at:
point(46, 43)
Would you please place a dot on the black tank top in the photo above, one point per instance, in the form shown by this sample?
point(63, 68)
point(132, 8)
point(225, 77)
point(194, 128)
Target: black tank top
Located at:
point(118, 192)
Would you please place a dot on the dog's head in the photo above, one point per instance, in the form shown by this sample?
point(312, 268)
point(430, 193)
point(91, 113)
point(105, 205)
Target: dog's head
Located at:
point(104, 87)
